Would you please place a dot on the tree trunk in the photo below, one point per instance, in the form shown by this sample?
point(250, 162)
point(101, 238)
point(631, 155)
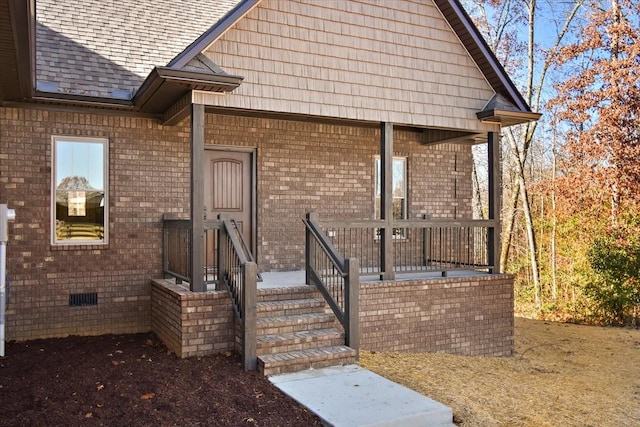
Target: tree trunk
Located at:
point(508, 226)
point(554, 225)
point(477, 196)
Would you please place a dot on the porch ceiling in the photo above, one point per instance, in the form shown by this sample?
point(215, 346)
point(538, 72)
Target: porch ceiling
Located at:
point(442, 136)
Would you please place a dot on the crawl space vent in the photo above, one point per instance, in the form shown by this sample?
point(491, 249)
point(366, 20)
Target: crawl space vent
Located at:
point(79, 300)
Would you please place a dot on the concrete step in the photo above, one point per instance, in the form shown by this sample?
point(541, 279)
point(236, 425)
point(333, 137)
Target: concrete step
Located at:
point(303, 340)
point(293, 361)
point(294, 323)
point(288, 293)
point(290, 307)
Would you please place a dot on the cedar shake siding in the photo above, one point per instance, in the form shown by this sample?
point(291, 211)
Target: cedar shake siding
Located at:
point(395, 61)
point(301, 167)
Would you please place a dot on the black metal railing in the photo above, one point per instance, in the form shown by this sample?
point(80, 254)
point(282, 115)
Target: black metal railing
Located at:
point(336, 277)
point(177, 249)
point(416, 245)
point(239, 275)
point(227, 262)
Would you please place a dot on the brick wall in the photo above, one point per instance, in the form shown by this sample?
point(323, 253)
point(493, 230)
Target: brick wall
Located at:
point(468, 315)
point(301, 167)
point(329, 169)
point(192, 323)
point(148, 175)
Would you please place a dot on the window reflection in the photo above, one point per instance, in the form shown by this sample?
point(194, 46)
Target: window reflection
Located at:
point(79, 213)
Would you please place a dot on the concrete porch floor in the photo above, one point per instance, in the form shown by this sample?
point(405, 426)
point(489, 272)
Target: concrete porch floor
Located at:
point(286, 279)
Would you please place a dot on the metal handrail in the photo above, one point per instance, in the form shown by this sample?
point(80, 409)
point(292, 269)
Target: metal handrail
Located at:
point(243, 243)
point(341, 287)
point(240, 280)
point(327, 247)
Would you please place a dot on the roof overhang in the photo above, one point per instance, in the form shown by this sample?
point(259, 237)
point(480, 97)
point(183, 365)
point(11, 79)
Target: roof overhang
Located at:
point(507, 117)
point(160, 90)
point(165, 86)
point(479, 50)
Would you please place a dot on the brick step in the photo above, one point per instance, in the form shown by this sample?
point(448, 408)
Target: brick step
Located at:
point(293, 361)
point(292, 292)
point(290, 307)
point(303, 340)
point(295, 323)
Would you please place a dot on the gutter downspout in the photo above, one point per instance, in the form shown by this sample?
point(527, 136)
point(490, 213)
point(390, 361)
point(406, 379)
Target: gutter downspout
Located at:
point(6, 215)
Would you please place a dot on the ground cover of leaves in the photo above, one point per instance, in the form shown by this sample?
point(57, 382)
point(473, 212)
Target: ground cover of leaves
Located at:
point(132, 380)
point(560, 375)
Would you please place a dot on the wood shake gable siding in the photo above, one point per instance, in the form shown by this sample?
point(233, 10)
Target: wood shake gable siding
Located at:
point(363, 60)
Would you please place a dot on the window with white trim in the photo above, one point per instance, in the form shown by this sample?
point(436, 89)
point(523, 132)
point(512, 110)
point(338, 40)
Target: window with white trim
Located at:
point(79, 199)
point(399, 188)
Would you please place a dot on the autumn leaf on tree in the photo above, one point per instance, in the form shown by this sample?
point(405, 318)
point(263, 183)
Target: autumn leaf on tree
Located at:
point(601, 106)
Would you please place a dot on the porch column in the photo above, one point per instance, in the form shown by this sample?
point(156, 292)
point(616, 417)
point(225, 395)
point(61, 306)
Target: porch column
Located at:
point(197, 198)
point(386, 200)
point(493, 243)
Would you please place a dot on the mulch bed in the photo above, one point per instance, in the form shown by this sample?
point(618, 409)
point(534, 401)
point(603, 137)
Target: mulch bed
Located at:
point(132, 380)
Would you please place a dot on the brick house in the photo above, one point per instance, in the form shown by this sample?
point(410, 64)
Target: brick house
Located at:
point(143, 141)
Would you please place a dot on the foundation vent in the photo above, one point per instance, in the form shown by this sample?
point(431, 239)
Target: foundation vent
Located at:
point(80, 300)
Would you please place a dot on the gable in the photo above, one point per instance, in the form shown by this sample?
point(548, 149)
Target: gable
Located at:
point(363, 59)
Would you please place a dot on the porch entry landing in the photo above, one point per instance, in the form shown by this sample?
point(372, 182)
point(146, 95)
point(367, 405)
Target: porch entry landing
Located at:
point(288, 279)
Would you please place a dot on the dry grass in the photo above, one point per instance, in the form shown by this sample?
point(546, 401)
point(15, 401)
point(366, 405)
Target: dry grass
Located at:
point(560, 375)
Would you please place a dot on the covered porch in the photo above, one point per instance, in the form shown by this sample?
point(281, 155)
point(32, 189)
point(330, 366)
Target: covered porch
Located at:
point(343, 256)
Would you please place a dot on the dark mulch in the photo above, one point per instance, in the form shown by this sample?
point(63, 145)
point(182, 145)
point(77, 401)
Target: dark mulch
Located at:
point(132, 380)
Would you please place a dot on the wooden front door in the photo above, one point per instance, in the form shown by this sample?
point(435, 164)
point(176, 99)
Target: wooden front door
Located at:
point(228, 188)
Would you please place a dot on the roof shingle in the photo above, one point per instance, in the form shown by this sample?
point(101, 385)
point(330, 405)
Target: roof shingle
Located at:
point(97, 47)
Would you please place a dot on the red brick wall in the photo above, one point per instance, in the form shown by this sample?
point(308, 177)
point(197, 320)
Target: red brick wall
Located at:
point(468, 315)
point(302, 167)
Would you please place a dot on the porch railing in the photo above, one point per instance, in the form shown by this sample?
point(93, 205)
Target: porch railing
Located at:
point(176, 248)
point(227, 262)
point(419, 245)
point(336, 277)
point(239, 274)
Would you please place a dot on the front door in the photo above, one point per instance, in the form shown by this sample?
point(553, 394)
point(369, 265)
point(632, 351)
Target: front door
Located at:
point(228, 188)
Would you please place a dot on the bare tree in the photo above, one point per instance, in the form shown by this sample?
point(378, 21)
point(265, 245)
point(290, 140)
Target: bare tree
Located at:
point(533, 83)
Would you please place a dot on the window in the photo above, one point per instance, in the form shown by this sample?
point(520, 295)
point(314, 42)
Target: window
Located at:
point(79, 201)
point(399, 190)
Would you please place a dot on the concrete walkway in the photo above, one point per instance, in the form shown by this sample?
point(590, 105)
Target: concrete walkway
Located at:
point(350, 396)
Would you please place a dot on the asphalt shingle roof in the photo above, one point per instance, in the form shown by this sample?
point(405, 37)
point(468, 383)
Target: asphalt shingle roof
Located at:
point(98, 47)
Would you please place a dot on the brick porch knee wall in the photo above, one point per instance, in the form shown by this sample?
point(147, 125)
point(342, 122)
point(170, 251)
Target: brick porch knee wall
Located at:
point(467, 316)
point(192, 323)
